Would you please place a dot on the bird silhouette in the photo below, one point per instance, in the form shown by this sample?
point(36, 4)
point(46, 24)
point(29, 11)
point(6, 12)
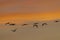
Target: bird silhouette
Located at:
point(7, 23)
point(35, 25)
point(44, 24)
point(56, 21)
point(14, 30)
point(24, 24)
point(12, 24)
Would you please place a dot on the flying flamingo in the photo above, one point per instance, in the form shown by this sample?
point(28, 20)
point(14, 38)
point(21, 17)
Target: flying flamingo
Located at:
point(35, 25)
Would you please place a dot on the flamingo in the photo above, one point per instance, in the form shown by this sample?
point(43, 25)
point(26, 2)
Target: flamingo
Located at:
point(44, 24)
point(35, 25)
point(24, 24)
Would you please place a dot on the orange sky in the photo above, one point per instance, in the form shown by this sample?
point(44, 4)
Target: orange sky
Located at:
point(29, 17)
point(29, 10)
point(24, 18)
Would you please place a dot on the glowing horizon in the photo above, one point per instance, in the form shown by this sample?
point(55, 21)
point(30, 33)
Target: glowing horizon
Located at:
point(22, 17)
point(29, 10)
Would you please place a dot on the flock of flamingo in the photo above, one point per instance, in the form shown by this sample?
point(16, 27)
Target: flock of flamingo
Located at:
point(34, 25)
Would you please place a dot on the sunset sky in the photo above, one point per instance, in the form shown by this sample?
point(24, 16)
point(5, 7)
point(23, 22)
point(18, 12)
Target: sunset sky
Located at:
point(29, 10)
